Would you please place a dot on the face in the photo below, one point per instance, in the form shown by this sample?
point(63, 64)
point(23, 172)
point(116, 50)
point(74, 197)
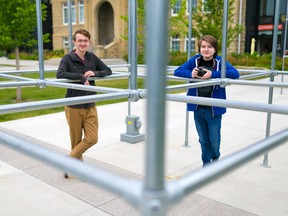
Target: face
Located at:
point(207, 50)
point(81, 43)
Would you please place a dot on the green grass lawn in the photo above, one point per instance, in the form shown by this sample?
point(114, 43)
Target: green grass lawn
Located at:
point(8, 95)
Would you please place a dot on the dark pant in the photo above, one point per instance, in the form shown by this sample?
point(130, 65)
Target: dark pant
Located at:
point(209, 132)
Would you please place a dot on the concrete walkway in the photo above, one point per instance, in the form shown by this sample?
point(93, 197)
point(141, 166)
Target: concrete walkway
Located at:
point(31, 188)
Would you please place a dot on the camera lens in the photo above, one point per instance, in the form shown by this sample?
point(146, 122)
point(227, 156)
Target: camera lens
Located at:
point(201, 72)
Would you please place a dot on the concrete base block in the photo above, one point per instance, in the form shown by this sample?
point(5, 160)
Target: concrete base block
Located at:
point(132, 138)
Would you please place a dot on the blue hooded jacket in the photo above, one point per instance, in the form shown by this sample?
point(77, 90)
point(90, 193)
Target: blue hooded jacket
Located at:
point(219, 92)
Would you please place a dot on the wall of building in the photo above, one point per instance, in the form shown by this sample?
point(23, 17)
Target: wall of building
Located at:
point(117, 49)
point(238, 46)
point(119, 46)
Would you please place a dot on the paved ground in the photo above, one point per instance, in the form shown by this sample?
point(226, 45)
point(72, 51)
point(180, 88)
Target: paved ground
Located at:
point(29, 187)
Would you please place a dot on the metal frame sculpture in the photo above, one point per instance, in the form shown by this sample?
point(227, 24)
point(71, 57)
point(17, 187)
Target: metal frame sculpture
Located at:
point(153, 195)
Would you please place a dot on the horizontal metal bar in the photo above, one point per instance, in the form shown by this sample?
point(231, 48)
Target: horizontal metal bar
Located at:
point(169, 69)
point(95, 175)
point(14, 77)
point(225, 81)
point(37, 105)
point(82, 87)
point(203, 176)
point(244, 105)
point(27, 71)
point(258, 83)
point(17, 84)
point(254, 76)
point(51, 69)
point(194, 85)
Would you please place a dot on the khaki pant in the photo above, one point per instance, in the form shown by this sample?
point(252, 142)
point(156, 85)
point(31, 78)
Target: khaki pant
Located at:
point(79, 121)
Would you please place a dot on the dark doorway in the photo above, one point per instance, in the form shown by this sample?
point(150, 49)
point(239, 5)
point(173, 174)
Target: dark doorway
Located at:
point(105, 24)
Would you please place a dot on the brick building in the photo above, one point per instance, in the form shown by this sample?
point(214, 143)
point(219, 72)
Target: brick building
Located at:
point(102, 18)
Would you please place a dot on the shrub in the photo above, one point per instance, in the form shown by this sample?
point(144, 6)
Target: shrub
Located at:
point(34, 55)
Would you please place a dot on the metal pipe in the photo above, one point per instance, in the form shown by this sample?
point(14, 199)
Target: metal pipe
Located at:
point(27, 71)
point(54, 69)
point(95, 175)
point(69, 11)
point(284, 44)
point(37, 105)
point(224, 39)
point(132, 7)
point(132, 47)
point(156, 56)
point(186, 140)
point(210, 173)
point(83, 87)
point(193, 85)
point(240, 23)
point(273, 62)
point(16, 84)
point(39, 38)
point(244, 105)
point(14, 77)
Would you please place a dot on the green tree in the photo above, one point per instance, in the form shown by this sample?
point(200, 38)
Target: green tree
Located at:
point(208, 19)
point(140, 24)
point(18, 22)
point(179, 24)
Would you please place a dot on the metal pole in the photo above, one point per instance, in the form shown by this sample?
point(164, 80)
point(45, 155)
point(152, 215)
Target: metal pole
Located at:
point(37, 105)
point(240, 22)
point(156, 55)
point(201, 177)
point(40, 40)
point(132, 49)
point(186, 142)
point(273, 62)
point(133, 43)
point(69, 11)
point(284, 45)
point(224, 39)
point(95, 175)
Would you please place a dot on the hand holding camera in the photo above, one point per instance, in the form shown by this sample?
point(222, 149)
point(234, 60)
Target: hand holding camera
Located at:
point(201, 72)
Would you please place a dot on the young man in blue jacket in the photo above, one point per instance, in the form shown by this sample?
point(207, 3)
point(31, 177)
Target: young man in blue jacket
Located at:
point(206, 65)
point(80, 64)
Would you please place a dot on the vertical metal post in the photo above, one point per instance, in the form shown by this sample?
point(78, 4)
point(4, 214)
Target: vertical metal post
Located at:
point(39, 38)
point(132, 51)
point(240, 22)
point(284, 45)
point(69, 11)
point(186, 142)
point(132, 134)
point(224, 39)
point(156, 56)
point(133, 43)
point(273, 62)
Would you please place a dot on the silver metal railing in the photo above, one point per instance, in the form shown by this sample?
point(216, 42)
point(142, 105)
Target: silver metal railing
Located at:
point(152, 196)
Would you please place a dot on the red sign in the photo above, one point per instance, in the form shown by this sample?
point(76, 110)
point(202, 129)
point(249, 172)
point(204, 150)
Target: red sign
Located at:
point(268, 27)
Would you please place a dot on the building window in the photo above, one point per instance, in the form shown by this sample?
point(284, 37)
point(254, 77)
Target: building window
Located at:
point(65, 42)
point(187, 44)
point(175, 43)
point(205, 7)
point(65, 13)
point(194, 3)
point(176, 8)
point(81, 11)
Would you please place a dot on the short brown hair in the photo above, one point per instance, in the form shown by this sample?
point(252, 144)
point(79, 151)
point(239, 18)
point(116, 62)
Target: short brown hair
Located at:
point(83, 32)
point(210, 39)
